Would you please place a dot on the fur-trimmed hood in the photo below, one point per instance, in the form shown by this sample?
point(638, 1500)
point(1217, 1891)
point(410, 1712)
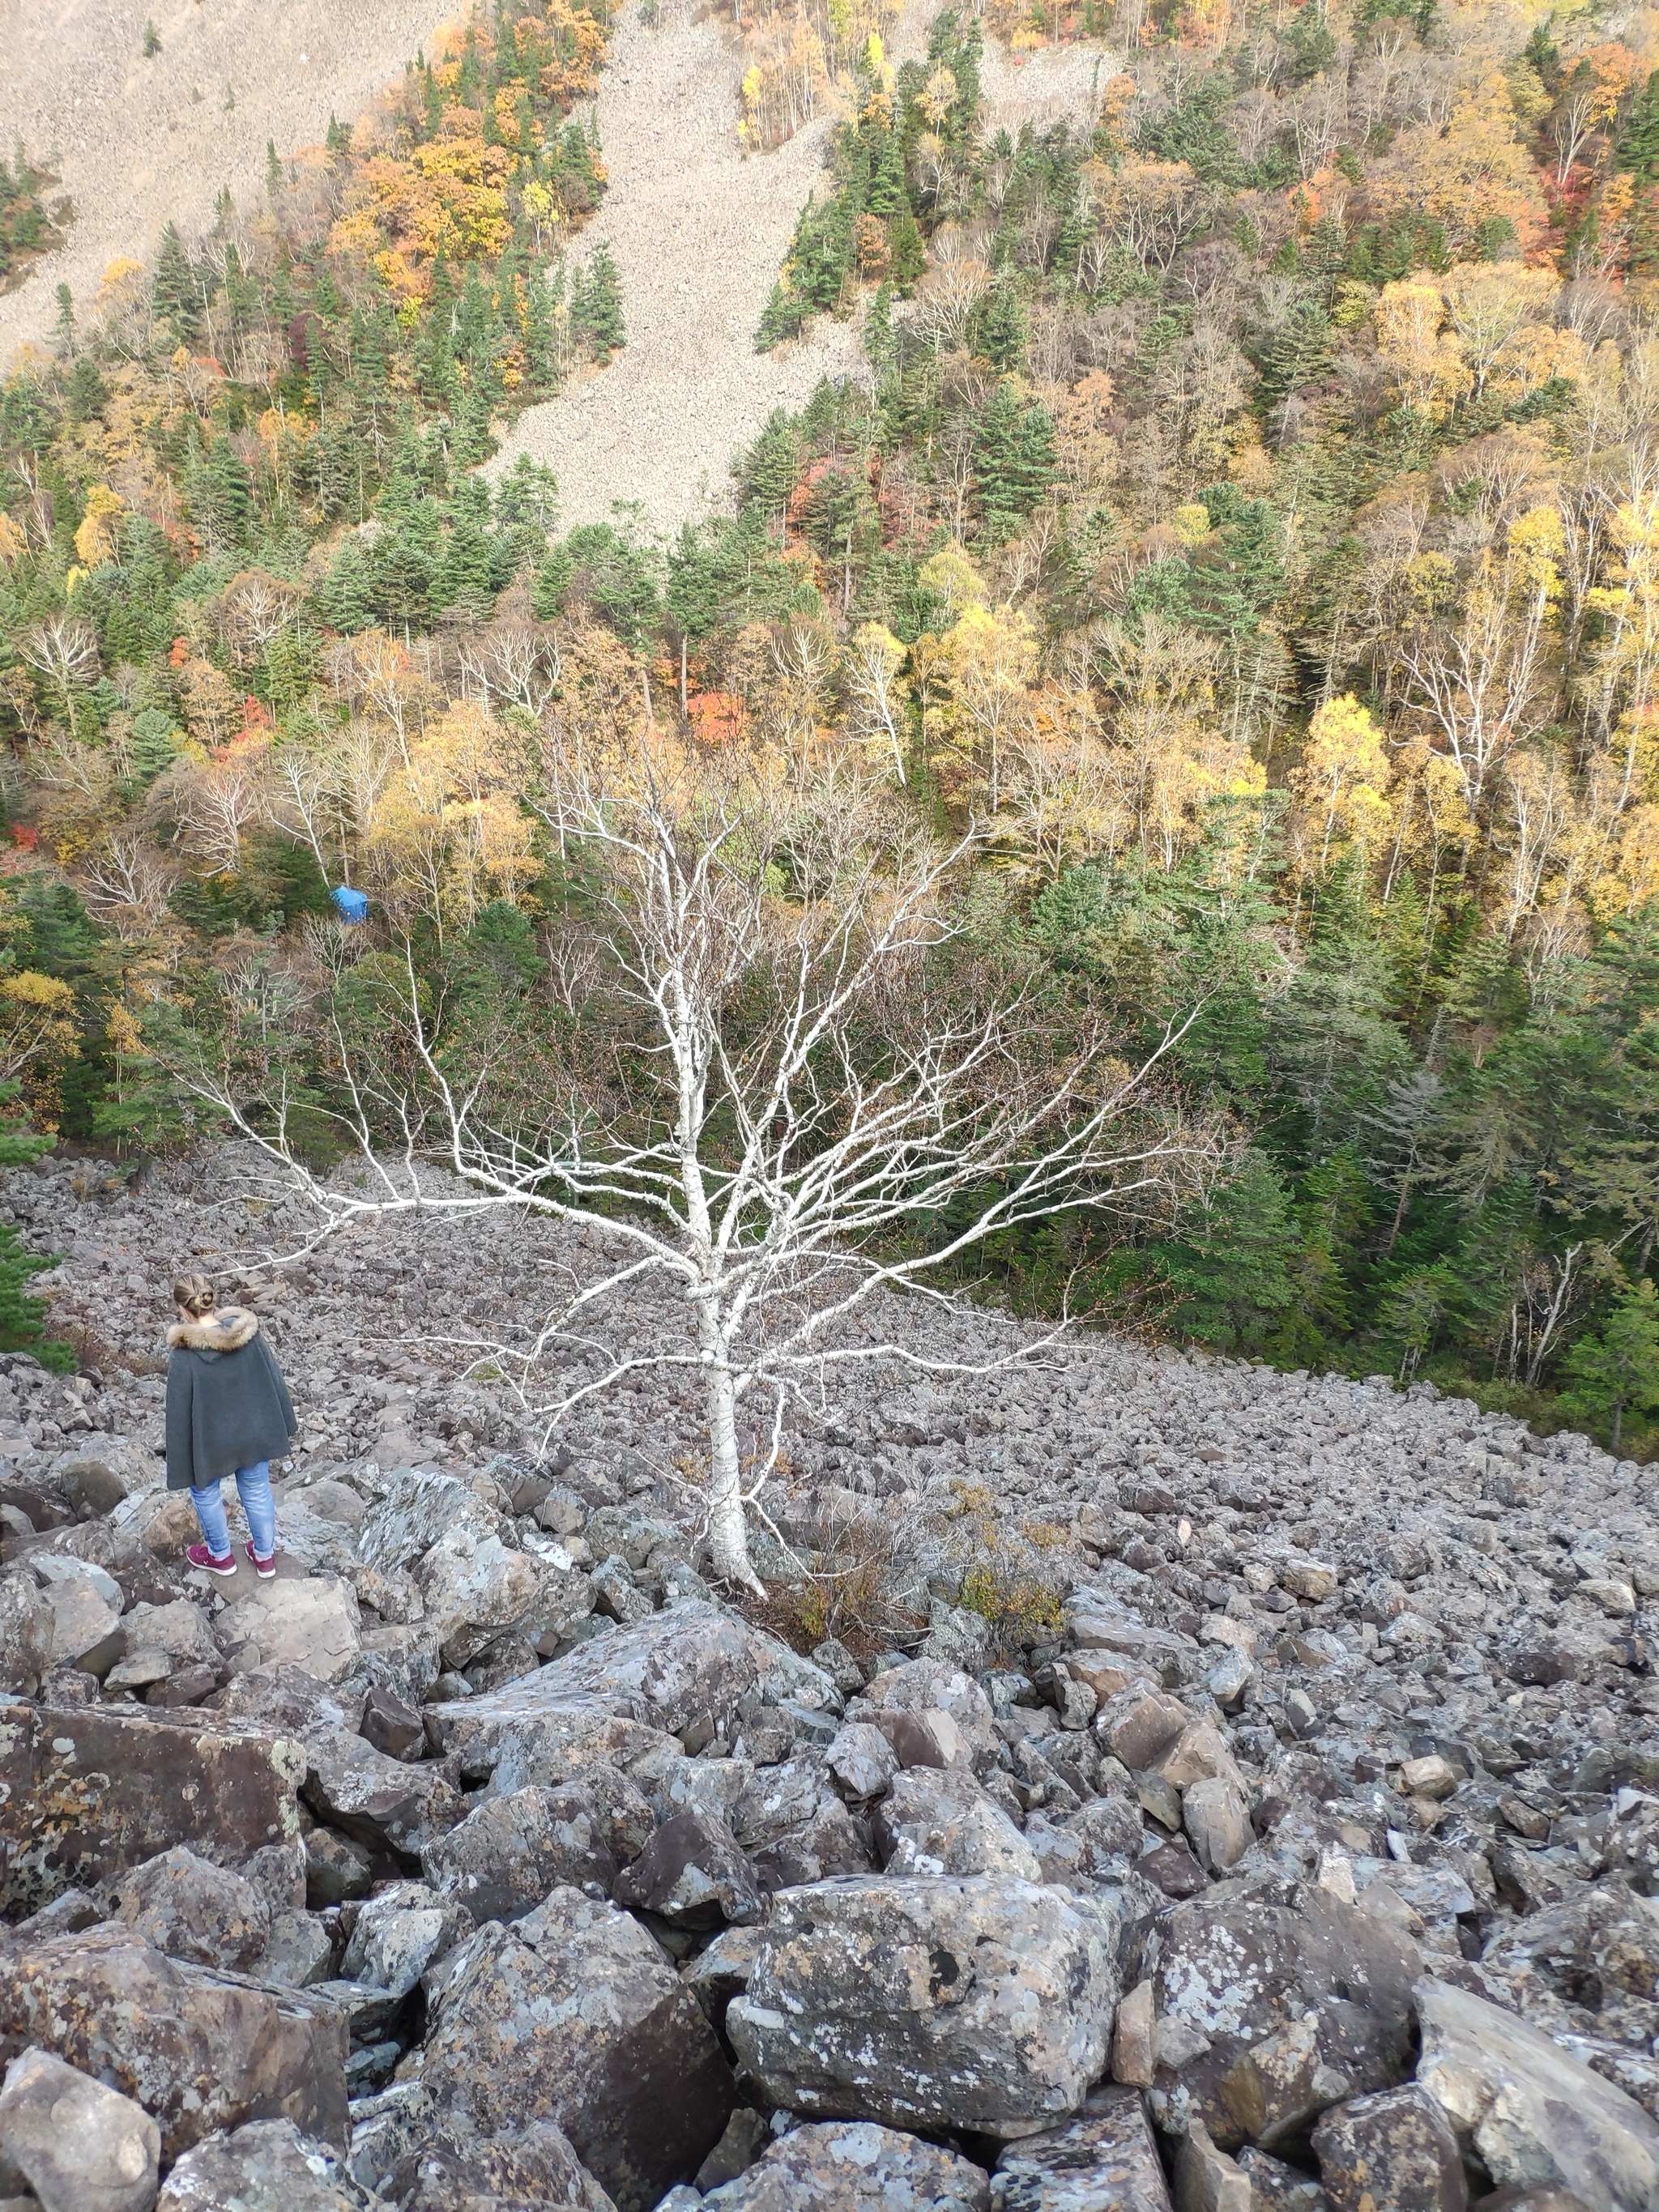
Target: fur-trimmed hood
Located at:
point(226, 1329)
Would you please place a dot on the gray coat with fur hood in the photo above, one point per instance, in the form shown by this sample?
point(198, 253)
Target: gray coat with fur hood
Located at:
point(228, 1405)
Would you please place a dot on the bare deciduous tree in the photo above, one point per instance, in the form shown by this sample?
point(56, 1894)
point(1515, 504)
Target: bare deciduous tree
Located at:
point(800, 1061)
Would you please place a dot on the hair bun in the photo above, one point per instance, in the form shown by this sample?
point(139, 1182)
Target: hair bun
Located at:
point(195, 1294)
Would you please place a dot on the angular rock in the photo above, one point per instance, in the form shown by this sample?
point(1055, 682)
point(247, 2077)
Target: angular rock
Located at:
point(300, 1952)
point(1094, 1844)
point(474, 1589)
point(928, 2002)
point(456, 2171)
point(192, 1910)
point(1138, 1726)
point(268, 2166)
point(1205, 2179)
point(1107, 2157)
point(386, 1804)
point(87, 1630)
point(417, 1511)
point(399, 1933)
point(574, 2015)
point(337, 1868)
point(692, 1874)
point(1275, 2187)
point(1533, 2114)
point(517, 1736)
point(1216, 1815)
point(80, 2147)
point(1396, 2148)
point(25, 1634)
point(1246, 1961)
point(312, 1623)
point(1282, 2084)
point(852, 2166)
point(501, 1861)
point(89, 1792)
point(943, 1822)
point(196, 2049)
point(392, 1726)
point(924, 1688)
point(860, 1761)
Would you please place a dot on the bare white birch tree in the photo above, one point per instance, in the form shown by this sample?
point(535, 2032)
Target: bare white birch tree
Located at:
point(806, 1090)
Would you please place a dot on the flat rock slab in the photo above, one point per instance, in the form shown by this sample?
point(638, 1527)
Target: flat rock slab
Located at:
point(929, 2002)
point(853, 2166)
point(1534, 2114)
point(314, 1623)
point(266, 2166)
point(666, 1671)
point(574, 2015)
point(81, 2147)
point(1107, 2157)
point(89, 1791)
point(199, 2051)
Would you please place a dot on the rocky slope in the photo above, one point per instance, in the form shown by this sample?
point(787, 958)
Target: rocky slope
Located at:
point(698, 233)
point(138, 142)
point(486, 1858)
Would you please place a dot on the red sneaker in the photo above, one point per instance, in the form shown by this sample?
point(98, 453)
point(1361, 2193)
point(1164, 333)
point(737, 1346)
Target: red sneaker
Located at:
point(265, 1568)
point(211, 1563)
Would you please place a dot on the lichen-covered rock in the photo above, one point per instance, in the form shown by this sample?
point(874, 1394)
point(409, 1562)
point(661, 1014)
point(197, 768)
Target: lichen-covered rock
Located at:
point(310, 1621)
point(574, 2015)
point(860, 1762)
point(25, 1634)
point(386, 1804)
point(89, 1791)
point(1107, 2156)
point(81, 2147)
point(930, 2003)
point(475, 1588)
point(522, 1734)
point(1245, 1961)
point(939, 1821)
point(192, 1910)
point(399, 1932)
point(269, 2166)
point(1396, 2148)
point(500, 1862)
point(1532, 2112)
point(197, 2050)
point(419, 1508)
point(692, 1874)
point(921, 1688)
point(853, 2166)
point(456, 2171)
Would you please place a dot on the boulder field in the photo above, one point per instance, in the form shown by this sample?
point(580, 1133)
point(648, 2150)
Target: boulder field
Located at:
point(1298, 1850)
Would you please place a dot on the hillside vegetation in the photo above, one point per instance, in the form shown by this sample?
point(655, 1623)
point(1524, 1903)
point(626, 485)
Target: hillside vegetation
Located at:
point(1248, 515)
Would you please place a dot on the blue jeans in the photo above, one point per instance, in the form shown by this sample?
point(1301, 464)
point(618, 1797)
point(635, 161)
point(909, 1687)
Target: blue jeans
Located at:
point(253, 1488)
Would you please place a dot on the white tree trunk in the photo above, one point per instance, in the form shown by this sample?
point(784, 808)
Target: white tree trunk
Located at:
point(728, 1535)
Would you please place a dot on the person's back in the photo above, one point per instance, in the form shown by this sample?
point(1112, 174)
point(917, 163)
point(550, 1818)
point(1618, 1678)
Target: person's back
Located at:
point(228, 1412)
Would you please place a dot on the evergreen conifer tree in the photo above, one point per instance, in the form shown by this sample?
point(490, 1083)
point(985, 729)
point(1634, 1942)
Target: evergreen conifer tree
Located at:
point(1618, 1369)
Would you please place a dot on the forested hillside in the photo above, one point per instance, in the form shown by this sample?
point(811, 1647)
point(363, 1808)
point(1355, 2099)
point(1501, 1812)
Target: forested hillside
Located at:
point(1249, 515)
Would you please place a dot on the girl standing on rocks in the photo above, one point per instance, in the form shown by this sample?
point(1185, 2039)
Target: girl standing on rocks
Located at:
point(228, 1412)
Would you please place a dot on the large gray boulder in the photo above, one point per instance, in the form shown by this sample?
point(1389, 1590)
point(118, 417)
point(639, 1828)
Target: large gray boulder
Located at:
point(511, 1738)
point(1534, 2114)
point(500, 1862)
point(692, 1874)
point(1265, 1958)
point(574, 2015)
point(192, 1910)
point(690, 1663)
point(929, 2003)
point(199, 2050)
point(457, 2171)
point(1396, 2148)
point(852, 2166)
point(90, 1790)
point(940, 1821)
point(398, 1934)
point(79, 2146)
point(418, 1509)
point(25, 1634)
point(268, 2166)
point(1106, 2157)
